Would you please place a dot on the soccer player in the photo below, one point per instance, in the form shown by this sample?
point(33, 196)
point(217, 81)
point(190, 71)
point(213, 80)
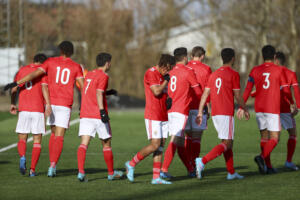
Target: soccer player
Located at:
point(193, 130)
point(286, 115)
point(156, 118)
point(180, 87)
point(62, 72)
point(31, 119)
point(94, 116)
point(223, 86)
point(268, 78)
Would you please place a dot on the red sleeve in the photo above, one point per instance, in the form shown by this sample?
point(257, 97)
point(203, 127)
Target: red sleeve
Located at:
point(102, 83)
point(45, 80)
point(192, 79)
point(79, 73)
point(16, 78)
point(296, 89)
point(283, 79)
point(151, 79)
point(236, 82)
point(44, 66)
point(209, 83)
point(249, 87)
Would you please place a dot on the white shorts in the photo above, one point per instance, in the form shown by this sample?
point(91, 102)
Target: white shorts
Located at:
point(177, 123)
point(156, 129)
point(31, 122)
point(60, 116)
point(191, 124)
point(287, 121)
point(224, 125)
point(268, 121)
point(89, 126)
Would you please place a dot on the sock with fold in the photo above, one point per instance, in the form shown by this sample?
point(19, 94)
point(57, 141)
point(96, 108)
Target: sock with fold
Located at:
point(215, 152)
point(81, 156)
point(109, 160)
point(169, 155)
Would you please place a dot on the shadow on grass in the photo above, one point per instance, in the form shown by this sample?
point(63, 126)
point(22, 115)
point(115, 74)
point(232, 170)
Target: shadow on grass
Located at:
point(2, 162)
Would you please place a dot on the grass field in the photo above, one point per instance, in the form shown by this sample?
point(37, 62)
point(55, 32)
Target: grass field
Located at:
point(128, 137)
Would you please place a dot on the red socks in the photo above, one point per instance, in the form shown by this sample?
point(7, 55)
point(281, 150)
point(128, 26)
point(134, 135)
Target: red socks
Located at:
point(109, 160)
point(169, 155)
point(156, 169)
point(51, 143)
point(215, 152)
point(228, 155)
point(136, 159)
point(291, 146)
point(36, 152)
point(263, 142)
point(269, 146)
point(81, 155)
point(184, 158)
point(57, 149)
point(22, 148)
point(188, 145)
point(196, 146)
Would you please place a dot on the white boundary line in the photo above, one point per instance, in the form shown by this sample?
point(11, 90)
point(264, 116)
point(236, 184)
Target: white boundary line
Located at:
point(75, 121)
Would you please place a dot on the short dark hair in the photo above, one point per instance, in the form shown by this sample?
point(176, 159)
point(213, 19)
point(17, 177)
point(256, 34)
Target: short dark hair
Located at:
point(39, 58)
point(268, 52)
point(281, 57)
point(66, 48)
point(198, 51)
point(165, 60)
point(103, 58)
point(227, 54)
point(180, 53)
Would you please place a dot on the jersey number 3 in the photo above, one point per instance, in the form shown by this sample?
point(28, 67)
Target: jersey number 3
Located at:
point(266, 85)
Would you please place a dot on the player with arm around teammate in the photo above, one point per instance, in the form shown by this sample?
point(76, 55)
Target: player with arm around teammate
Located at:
point(62, 73)
point(223, 86)
point(94, 116)
point(156, 118)
point(31, 119)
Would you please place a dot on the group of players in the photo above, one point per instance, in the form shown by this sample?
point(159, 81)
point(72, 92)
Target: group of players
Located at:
point(180, 97)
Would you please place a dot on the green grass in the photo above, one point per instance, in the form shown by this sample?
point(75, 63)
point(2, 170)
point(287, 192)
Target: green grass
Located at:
point(128, 137)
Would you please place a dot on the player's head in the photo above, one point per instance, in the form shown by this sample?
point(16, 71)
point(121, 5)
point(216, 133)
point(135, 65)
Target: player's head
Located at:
point(198, 53)
point(165, 64)
point(39, 58)
point(268, 52)
point(180, 55)
point(66, 48)
point(104, 60)
point(279, 58)
point(228, 56)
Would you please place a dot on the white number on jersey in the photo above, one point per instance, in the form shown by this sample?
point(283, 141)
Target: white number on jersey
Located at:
point(88, 84)
point(218, 84)
point(64, 75)
point(173, 83)
point(267, 81)
point(28, 85)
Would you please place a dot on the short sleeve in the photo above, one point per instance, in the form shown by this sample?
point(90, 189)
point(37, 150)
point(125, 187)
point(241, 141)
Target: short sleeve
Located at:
point(16, 78)
point(79, 72)
point(236, 81)
point(209, 82)
point(192, 79)
point(283, 79)
point(45, 66)
point(151, 78)
point(102, 83)
point(44, 80)
point(294, 80)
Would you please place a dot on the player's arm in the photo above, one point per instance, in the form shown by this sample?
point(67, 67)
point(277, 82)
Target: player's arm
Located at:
point(100, 100)
point(13, 100)
point(296, 92)
point(248, 89)
point(158, 89)
point(202, 104)
point(46, 95)
point(243, 111)
point(80, 82)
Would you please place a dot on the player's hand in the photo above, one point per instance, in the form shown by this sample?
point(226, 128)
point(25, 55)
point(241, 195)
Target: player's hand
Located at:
point(247, 115)
point(112, 92)
point(13, 109)
point(167, 77)
point(199, 118)
point(240, 113)
point(10, 85)
point(48, 110)
point(294, 110)
point(169, 103)
point(104, 116)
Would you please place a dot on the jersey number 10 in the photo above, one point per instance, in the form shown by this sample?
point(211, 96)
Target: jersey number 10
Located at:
point(64, 75)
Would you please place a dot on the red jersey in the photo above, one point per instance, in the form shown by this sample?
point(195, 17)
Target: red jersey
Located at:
point(155, 106)
point(182, 84)
point(62, 74)
point(94, 80)
point(268, 78)
point(221, 83)
point(286, 98)
point(202, 73)
point(31, 97)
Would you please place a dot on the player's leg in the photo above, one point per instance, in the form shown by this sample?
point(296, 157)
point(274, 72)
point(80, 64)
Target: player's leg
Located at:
point(188, 136)
point(196, 145)
point(36, 152)
point(51, 143)
point(58, 144)
point(81, 156)
point(22, 141)
point(264, 138)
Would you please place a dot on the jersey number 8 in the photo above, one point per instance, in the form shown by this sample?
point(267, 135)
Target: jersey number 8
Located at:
point(173, 83)
point(64, 75)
